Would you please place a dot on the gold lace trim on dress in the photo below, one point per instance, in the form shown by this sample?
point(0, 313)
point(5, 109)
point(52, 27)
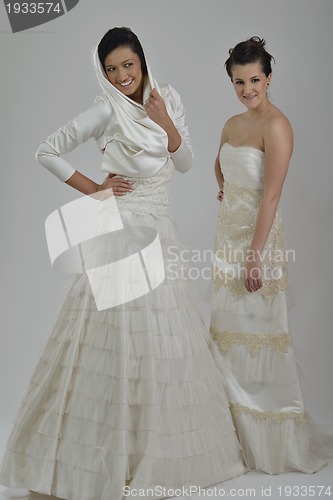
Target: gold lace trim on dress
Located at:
point(276, 416)
point(236, 223)
point(281, 342)
point(236, 285)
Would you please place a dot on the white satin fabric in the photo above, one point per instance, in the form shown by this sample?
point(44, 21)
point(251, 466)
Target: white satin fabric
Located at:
point(138, 143)
point(243, 166)
point(128, 394)
point(131, 394)
point(263, 385)
point(132, 143)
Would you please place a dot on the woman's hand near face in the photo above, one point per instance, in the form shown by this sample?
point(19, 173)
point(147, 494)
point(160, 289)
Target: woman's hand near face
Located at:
point(156, 110)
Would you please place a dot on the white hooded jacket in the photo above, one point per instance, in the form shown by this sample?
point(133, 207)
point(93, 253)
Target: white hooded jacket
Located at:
point(133, 144)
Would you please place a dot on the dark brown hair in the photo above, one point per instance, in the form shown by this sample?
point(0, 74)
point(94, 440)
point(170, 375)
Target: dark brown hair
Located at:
point(250, 51)
point(121, 37)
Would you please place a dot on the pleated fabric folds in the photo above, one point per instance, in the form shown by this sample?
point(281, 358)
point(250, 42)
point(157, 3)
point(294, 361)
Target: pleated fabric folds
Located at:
point(132, 394)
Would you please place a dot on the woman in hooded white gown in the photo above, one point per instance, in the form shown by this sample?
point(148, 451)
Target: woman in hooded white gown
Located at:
point(128, 389)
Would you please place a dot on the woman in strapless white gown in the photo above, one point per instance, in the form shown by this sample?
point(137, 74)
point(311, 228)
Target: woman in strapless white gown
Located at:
point(249, 310)
point(128, 395)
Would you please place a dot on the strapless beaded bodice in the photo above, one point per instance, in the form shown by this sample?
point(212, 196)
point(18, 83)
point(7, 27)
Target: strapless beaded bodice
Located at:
point(242, 166)
point(243, 172)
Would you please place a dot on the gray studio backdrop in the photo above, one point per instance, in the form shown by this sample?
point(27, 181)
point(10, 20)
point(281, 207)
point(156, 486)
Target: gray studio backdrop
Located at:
point(47, 78)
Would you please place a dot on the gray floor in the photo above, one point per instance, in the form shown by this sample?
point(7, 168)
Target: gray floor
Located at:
point(256, 485)
point(259, 485)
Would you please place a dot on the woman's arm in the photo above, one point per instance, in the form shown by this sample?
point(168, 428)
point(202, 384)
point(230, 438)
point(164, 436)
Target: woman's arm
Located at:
point(278, 140)
point(82, 183)
point(217, 166)
point(179, 144)
point(119, 186)
point(90, 123)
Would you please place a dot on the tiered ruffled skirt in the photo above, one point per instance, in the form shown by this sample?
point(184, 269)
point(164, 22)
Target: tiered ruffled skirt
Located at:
point(131, 395)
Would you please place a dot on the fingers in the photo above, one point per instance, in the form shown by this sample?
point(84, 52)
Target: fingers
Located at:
point(154, 93)
point(149, 102)
point(255, 285)
point(150, 98)
point(253, 278)
point(252, 285)
point(117, 182)
point(220, 195)
point(120, 187)
point(247, 285)
point(153, 98)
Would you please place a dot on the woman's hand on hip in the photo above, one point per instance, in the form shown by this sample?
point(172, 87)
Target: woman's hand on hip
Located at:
point(119, 186)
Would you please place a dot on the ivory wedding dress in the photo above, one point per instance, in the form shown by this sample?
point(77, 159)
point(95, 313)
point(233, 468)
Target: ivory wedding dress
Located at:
point(252, 329)
point(128, 394)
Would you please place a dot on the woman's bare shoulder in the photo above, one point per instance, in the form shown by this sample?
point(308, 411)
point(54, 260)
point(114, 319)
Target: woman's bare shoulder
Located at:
point(277, 119)
point(232, 122)
point(278, 129)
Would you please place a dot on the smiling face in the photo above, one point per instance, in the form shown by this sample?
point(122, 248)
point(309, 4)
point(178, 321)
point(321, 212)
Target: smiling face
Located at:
point(123, 70)
point(250, 84)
